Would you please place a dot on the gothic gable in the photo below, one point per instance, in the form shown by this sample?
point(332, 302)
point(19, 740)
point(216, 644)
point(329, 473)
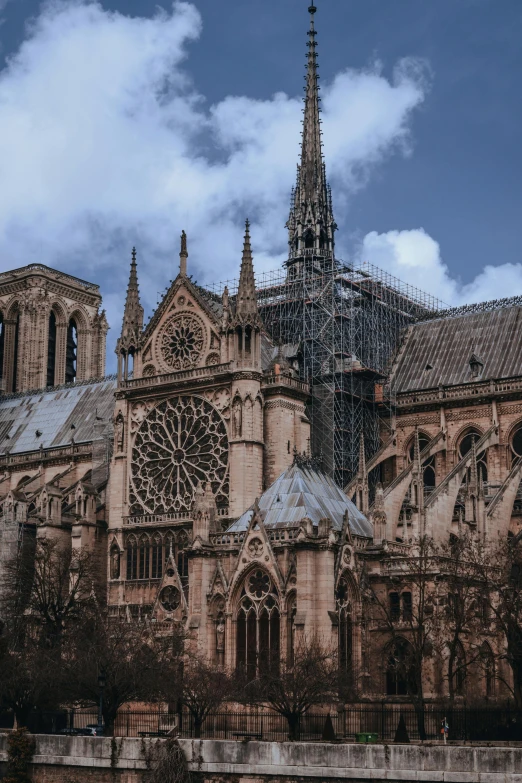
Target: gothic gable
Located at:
point(183, 333)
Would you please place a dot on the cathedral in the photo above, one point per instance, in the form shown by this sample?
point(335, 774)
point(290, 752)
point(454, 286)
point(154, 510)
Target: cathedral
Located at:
point(234, 478)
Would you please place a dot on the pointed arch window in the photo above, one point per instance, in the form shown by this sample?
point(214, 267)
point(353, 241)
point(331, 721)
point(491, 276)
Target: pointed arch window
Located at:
point(258, 631)
point(132, 558)
point(465, 446)
point(488, 667)
point(290, 630)
point(156, 571)
point(51, 349)
point(400, 669)
point(16, 342)
point(2, 343)
point(459, 670)
point(345, 626)
point(71, 352)
point(144, 558)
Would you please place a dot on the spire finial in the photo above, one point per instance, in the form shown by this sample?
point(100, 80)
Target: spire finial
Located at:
point(183, 255)
point(133, 312)
point(311, 224)
point(246, 300)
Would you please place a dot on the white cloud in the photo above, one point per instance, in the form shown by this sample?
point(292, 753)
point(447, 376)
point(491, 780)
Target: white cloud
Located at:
point(105, 143)
point(414, 257)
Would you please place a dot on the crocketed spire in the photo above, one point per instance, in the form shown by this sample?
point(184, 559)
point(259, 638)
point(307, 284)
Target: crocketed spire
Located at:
point(246, 301)
point(133, 313)
point(311, 224)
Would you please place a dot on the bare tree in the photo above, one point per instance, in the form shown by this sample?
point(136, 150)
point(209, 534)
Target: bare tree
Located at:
point(464, 604)
point(499, 569)
point(310, 678)
point(133, 660)
point(204, 688)
point(27, 673)
point(51, 584)
point(406, 612)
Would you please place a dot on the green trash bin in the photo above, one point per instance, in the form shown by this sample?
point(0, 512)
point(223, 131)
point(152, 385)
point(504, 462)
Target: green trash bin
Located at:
point(367, 737)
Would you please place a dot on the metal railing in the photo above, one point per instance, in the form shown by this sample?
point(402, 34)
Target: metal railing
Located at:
point(465, 723)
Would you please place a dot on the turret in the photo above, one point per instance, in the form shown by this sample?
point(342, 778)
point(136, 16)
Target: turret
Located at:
point(245, 325)
point(129, 341)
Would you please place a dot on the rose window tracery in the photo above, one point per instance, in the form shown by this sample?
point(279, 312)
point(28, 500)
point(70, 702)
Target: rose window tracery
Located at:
point(258, 584)
point(181, 442)
point(170, 598)
point(182, 341)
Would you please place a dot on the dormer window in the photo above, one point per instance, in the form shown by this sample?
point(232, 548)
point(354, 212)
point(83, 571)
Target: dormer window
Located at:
point(475, 366)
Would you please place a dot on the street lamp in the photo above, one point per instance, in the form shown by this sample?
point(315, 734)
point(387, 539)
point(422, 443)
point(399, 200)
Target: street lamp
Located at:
point(101, 686)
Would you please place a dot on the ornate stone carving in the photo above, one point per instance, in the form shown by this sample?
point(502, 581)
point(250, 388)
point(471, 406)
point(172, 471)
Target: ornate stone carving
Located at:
point(181, 341)
point(149, 371)
point(212, 359)
point(181, 442)
point(170, 598)
point(255, 547)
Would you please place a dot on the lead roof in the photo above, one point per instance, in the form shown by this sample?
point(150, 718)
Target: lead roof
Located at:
point(305, 493)
point(54, 418)
point(447, 345)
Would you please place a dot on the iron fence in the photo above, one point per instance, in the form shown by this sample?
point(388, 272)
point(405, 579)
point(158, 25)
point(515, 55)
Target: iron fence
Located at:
point(383, 720)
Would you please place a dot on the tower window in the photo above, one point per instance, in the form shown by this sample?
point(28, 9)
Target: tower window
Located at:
point(71, 354)
point(51, 350)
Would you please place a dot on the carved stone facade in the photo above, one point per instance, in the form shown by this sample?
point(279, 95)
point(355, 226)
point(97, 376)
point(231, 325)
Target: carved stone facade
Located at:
point(190, 473)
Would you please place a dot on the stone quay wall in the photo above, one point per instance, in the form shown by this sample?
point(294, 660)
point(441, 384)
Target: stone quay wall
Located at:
point(102, 760)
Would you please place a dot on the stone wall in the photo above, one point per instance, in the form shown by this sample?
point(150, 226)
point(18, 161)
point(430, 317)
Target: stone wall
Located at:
point(102, 760)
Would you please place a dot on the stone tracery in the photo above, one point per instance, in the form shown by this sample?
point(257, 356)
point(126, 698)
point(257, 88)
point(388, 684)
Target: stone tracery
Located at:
point(181, 341)
point(180, 442)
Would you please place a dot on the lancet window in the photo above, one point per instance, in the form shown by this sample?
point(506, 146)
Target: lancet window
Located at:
point(71, 352)
point(258, 625)
point(400, 669)
point(345, 625)
point(147, 555)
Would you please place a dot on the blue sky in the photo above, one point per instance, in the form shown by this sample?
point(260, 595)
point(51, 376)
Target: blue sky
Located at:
point(122, 124)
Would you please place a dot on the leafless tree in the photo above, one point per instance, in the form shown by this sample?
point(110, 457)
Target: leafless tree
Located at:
point(52, 585)
point(28, 677)
point(499, 568)
point(407, 614)
point(133, 660)
point(204, 688)
point(311, 678)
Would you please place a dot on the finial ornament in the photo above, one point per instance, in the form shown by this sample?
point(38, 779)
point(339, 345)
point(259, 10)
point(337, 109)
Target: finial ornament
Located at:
point(184, 244)
point(312, 9)
point(183, 255)
point(134, 255)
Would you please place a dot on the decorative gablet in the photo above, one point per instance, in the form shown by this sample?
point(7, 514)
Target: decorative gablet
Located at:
point(128, 343)
point(311, 224)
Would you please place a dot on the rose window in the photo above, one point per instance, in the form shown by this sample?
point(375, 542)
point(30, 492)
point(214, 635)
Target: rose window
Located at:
point(180, 442)
point(170, 598)
point(258, 584)
point(182, 342)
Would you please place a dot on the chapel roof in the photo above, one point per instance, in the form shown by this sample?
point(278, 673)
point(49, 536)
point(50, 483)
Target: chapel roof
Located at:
point(440, 352)
point(54, 417)
point(303, 492)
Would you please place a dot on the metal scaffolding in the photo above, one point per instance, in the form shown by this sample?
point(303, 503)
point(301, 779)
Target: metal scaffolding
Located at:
point(347, 321)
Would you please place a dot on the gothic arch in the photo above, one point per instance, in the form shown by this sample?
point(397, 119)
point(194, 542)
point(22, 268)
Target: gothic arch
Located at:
point(399, 673)
point(461, 434)
point(12, 345)
point(78, 368)
point(257, 616)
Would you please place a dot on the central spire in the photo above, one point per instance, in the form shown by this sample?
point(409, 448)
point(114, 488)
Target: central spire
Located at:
point(311, 225)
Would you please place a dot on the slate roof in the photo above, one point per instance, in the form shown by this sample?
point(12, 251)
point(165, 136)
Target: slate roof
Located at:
point(447, 345)
point(53, 413)
point(302, 492)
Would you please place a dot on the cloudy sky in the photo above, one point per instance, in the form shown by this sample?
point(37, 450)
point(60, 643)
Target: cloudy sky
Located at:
point(123, 122)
